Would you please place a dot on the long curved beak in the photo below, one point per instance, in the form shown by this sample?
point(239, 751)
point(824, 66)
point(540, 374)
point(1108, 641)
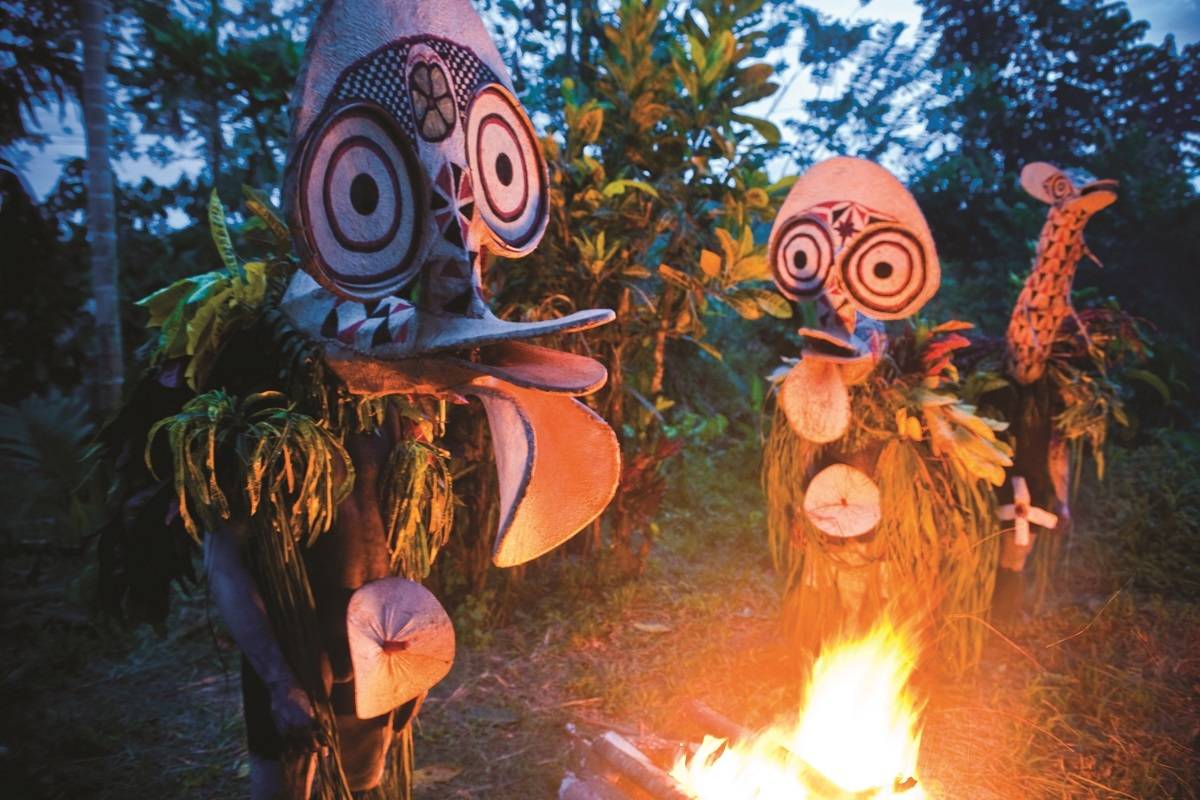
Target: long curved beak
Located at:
point(558, 462)
point(1097, 195)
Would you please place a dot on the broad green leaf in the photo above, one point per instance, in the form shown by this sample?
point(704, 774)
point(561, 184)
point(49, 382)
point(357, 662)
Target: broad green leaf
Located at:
point(745, 242)
point(220, 232)
point(677, 277)
point(160, 304)
point(750, 268)
point(765, 128)
point(1153, 381)
point(698, 53)
point(744, 303)
point(756, 198)
point(772, 303)
point(728, 246)
point(619, 187)
point(589, 124)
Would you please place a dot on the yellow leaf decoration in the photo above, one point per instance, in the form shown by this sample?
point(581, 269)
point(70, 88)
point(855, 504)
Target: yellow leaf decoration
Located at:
point(710, 263)
point(260, 206)
point(958, 433)
point(195, 315)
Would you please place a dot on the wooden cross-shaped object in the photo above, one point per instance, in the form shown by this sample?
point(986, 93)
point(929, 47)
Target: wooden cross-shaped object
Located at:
point(1022, 512)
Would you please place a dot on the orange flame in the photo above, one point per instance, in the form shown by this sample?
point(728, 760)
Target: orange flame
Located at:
point(859, 732)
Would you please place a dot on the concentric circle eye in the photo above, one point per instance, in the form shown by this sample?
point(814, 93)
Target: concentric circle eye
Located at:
point(801, 254)
point(1059, 186)
point(888, 272)
point(361, 203)
point(510, 175)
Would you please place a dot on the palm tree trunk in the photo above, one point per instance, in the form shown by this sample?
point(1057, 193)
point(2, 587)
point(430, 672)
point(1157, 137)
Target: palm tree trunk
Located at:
point(216, 141)
point(108, 365)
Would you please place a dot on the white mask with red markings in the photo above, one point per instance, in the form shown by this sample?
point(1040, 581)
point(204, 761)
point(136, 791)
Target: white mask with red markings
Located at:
point(410, 159)
point(851, 239)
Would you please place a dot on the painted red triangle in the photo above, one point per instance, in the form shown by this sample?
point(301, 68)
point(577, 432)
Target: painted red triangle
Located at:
point(347, 335)
point(444, 183)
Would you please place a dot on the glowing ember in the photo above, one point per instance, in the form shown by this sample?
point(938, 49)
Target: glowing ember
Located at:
point(857, 736)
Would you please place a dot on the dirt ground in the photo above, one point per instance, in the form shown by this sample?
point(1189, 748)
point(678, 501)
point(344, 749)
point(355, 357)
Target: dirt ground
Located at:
point(1100, 697)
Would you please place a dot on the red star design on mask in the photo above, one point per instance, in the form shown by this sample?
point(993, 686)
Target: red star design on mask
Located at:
point(846, 228)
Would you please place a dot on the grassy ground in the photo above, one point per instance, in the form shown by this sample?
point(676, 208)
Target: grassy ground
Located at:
point(1098, 697)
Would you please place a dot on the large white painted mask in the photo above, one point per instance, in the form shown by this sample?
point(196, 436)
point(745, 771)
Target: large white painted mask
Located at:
point(411, 160)
point(851, 239)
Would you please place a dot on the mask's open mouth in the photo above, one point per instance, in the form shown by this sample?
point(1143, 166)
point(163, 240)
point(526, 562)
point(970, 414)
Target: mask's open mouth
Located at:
point(1110, 186)
point(521, 364)
point(832, 347)
point(557, 461)
point(1097, 195)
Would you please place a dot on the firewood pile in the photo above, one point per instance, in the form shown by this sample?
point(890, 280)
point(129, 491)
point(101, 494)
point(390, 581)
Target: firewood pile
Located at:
point(613, 766)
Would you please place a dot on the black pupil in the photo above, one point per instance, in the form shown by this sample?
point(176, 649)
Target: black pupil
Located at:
point(883, 270)
point(364, 194)
point(504, 169)
point(799, 260)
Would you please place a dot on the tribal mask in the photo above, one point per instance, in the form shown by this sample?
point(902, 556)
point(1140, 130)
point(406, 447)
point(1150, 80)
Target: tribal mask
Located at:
point(1045, 300)
point(410, 160)
point(851, 239)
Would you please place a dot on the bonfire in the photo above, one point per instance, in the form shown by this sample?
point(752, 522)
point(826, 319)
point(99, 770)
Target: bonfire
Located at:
point(857, 735)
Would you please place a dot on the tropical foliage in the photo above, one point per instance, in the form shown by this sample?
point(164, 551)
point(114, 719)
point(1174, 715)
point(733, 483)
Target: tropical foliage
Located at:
point(659, 207)
point(672, 128)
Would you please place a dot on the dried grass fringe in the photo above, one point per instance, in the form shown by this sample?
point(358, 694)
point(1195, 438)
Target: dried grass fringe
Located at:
point(934, 552)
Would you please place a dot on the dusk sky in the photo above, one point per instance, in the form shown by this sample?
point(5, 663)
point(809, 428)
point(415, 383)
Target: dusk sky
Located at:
point(1178, 17)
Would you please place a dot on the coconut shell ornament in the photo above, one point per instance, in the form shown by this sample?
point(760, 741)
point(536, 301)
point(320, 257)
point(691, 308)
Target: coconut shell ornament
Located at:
point(401, 644)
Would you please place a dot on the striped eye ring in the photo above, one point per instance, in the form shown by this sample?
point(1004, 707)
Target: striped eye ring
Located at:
point(362, 202)
point(1059, 186)
point(887, 272)
point(801, 256)
point(512, 187)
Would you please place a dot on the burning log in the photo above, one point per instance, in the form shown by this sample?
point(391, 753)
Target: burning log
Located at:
point(611, 767)
point(620, 754)
point(719, 725)
point(856, 737)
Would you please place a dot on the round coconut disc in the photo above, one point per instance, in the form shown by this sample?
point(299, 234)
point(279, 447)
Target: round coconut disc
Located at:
point(842, 501)
point(815, 400)
point(401, 644)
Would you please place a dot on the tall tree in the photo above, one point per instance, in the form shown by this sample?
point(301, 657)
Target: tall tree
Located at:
point(872, 86)
point(1076, 83)
point(108, 376)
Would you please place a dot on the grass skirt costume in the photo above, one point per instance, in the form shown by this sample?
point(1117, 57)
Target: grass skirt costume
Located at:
point(275, 457)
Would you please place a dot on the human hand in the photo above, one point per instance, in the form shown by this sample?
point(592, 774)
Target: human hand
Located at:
point(294, 717)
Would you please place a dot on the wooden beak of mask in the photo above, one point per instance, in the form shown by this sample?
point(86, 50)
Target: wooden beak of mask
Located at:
point(410, 159)
point(851, 239)
point(1069, 190)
